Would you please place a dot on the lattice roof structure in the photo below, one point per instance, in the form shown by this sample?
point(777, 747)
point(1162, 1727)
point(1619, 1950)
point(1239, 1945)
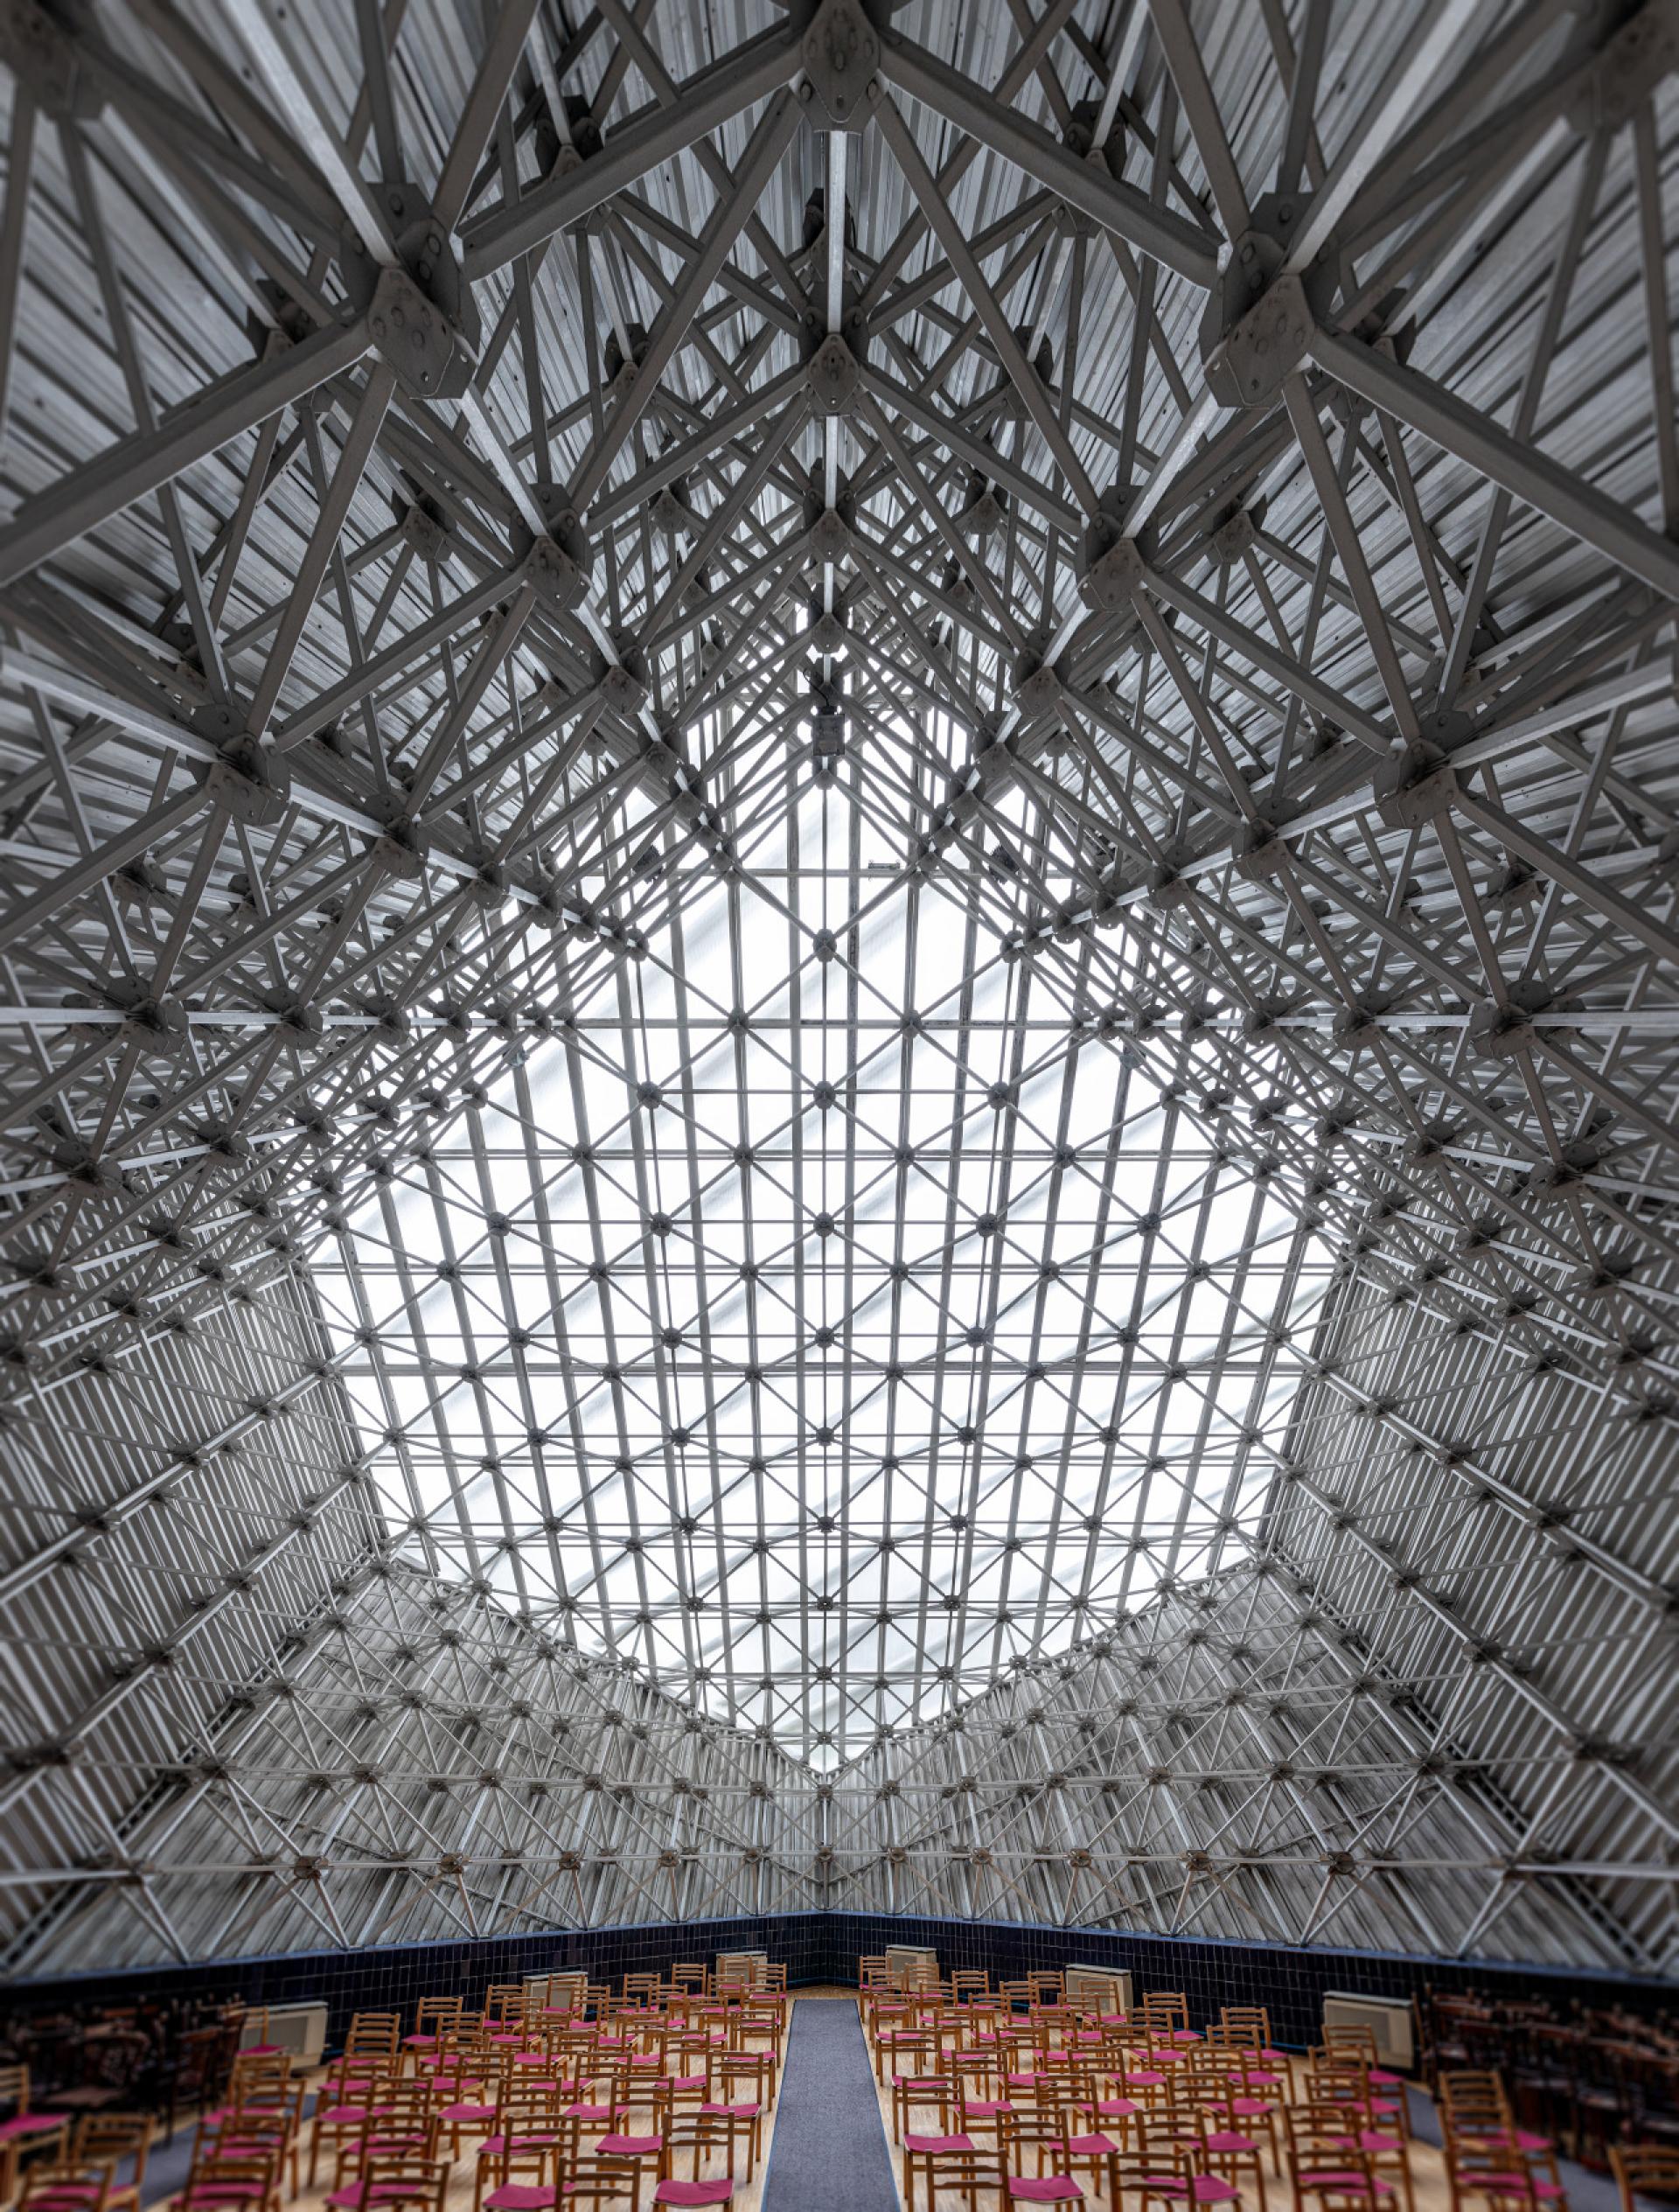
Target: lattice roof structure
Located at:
point(840, 1036)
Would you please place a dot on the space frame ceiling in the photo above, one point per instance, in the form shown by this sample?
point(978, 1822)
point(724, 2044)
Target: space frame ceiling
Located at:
point(813, 957)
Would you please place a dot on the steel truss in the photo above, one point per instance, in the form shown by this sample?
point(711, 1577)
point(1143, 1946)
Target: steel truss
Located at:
point(838, 1027)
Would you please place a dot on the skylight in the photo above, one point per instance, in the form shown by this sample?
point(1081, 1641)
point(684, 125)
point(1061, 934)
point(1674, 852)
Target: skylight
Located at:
point(828, 1312)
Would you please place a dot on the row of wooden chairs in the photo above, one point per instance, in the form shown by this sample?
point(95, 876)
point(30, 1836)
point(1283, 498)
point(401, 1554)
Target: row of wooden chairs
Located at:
point(1048, 2156)
point(527, 2091)
point(76, 2170)
point(1188, 2118)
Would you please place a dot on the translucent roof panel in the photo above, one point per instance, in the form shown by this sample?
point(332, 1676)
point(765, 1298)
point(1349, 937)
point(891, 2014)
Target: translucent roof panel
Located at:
point(833, 1308)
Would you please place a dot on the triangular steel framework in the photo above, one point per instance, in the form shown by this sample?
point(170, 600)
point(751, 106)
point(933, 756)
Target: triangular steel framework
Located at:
point(840, 1055)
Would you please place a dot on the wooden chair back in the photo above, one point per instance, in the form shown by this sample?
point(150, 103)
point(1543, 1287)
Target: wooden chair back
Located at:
point(373, 2035)
point(1644, 2169)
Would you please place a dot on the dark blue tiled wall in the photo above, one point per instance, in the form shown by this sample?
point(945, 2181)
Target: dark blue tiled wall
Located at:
point(825, 1947)
point(392, 1977)
point(1290, 1982)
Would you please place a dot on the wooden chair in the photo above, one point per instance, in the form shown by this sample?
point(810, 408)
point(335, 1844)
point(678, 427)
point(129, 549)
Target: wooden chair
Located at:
point(1164, 2018)
point(372, 2035)
point(434, 2018)
point(592, 2180)
point(108, 2138)
point(260, 2130)
point(735, 2092)
point(1643, 2169)
point(1249, 2102)
point(912, 2050)
point(197, 2078)
point(529, 2120)
point(701, 2138)
point(913, 2092)
point(542, 2157)
point(478, 2109)
point(25, 2132)
point(1322, 2170)
point(400, 2126)
point(1249, 2024)
point(393, 2180)
point(1502, 2178)
point(1036, 2167)
point(1175, 2179)
point(68, 2185)
point(950, 2164)
point(230, 2183)
point(1229, 2153)
point(349, 2091)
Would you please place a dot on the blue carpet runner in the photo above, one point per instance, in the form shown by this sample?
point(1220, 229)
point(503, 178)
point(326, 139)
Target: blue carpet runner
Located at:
point(828, 2152)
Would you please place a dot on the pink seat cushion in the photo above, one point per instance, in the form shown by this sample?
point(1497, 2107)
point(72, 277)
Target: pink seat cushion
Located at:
point(493, 2146)
point(1230, 2142)
point(1146, 2080)
point(1090, 2146)
point(1048, 2188)
point(31, 2123)
point(685, 2084)
point(629, 2147)
point(601, 2115)
point(694, 2193)
point(986, 2108)
point(458, 2114)
point(931, 2143)
point(521, 2196)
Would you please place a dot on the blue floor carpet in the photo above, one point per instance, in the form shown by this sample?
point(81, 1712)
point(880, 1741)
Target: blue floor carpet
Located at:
point(828, 2152)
